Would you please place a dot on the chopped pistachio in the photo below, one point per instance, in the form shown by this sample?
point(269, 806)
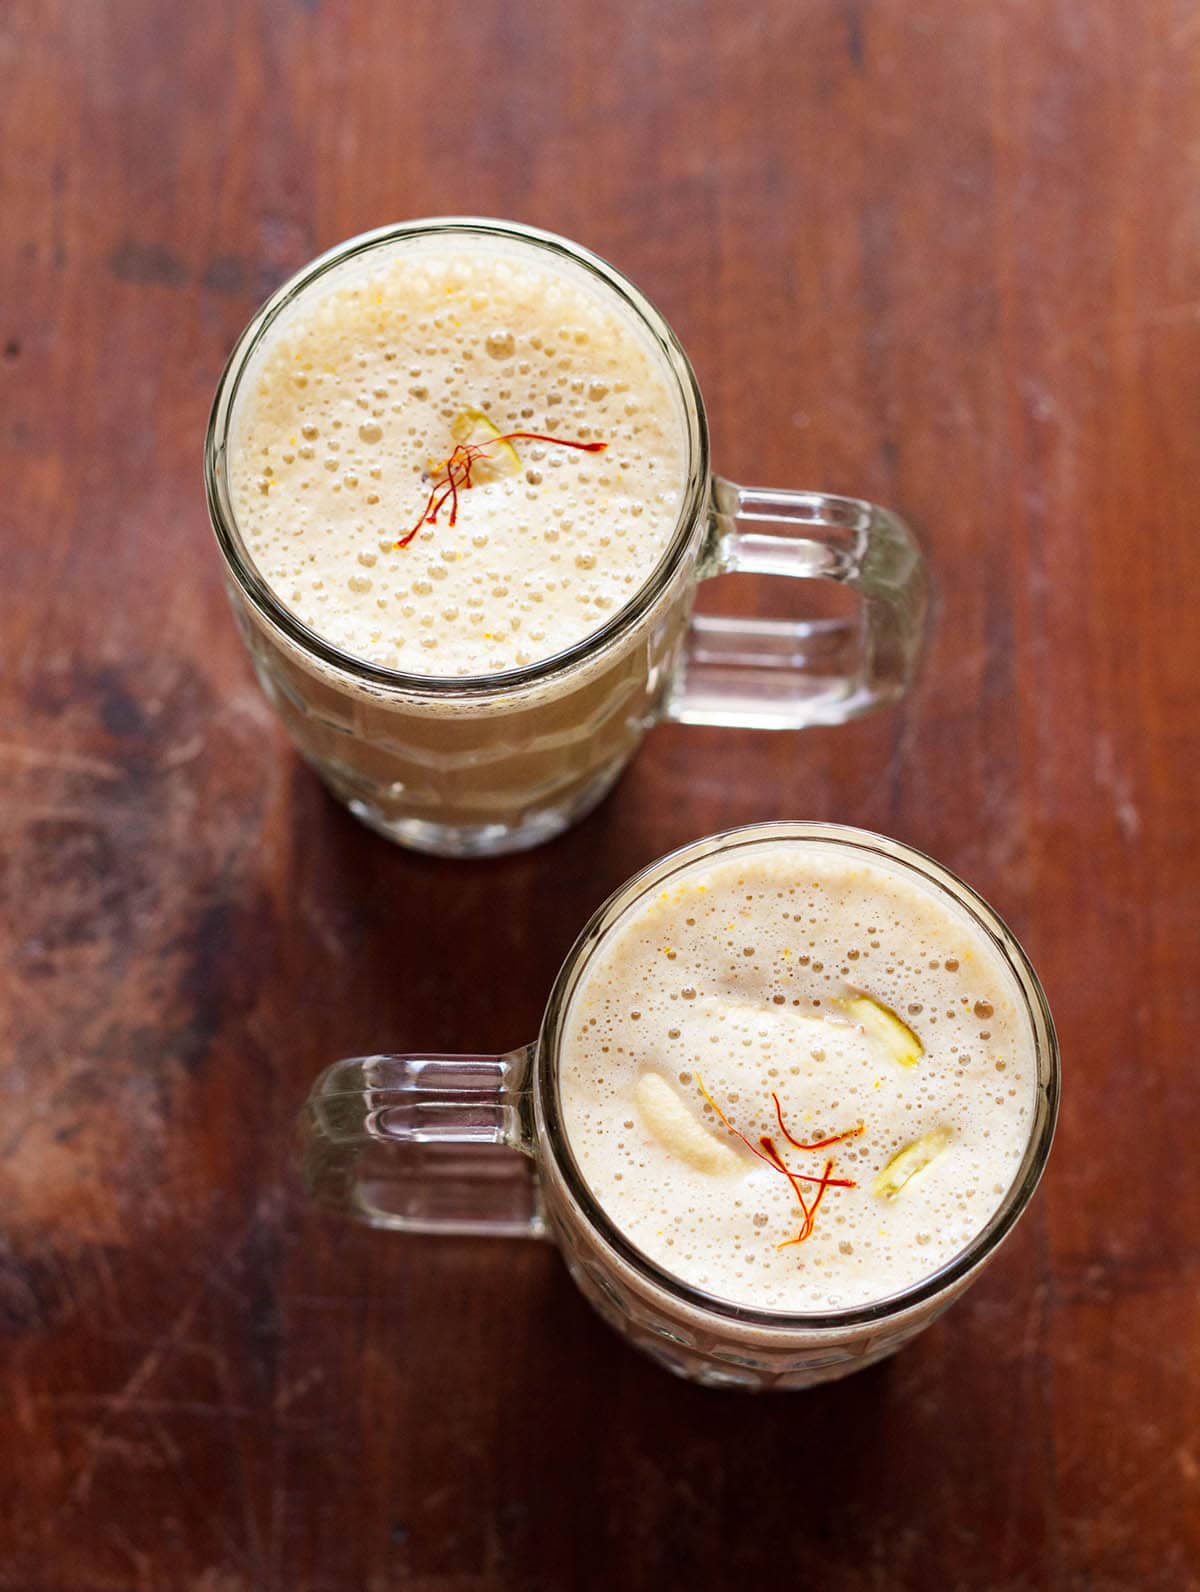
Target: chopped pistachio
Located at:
point(913, 1158)
point(880, 1023)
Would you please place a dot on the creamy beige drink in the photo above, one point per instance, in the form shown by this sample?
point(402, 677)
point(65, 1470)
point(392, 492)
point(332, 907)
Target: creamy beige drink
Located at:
point(794, 1085)
point(798, 1080)
point(454, 456)
point(356, 401)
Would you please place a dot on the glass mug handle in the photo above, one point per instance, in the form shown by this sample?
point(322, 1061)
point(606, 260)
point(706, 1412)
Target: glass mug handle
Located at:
point(424, 1144)
point(785, 674)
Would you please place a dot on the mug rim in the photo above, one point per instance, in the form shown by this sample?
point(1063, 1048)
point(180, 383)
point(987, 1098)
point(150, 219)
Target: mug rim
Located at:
point(267, 604)
point(553, 1140)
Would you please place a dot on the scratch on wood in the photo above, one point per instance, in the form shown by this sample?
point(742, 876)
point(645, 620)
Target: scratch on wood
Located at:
point(127, 1397)
point(113, 1402)
point(147, 264)
point(57, 758)
point(1113, 780)
point(186, 752)
point(286, 1396)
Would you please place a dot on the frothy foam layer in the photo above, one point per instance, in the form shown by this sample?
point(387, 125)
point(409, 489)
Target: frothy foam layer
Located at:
point(857, 996)
point(355, 400)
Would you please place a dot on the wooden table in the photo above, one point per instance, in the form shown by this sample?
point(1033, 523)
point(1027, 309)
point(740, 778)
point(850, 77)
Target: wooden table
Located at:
point(944, 255)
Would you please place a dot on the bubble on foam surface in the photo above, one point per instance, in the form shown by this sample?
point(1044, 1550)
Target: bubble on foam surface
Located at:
point(345, 418)
point(739, 1028)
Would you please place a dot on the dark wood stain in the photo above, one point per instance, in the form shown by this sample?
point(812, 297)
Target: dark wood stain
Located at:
point(941, 254)
point(147, 264)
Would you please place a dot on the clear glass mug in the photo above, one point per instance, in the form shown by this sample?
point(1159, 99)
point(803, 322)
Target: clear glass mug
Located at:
point(476, 1145)
point(480, 764)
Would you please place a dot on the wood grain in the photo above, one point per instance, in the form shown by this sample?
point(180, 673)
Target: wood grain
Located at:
point(947, 256)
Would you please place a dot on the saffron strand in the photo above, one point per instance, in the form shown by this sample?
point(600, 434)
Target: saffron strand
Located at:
point(766, 1151)
point(777, 1162)
point(457, 470)
point(538, 436)
point(818, 1144)
point(826, 1182)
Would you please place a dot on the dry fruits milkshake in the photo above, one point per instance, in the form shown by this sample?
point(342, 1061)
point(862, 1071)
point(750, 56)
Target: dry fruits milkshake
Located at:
point(794, 1085)
point(454, 462)
point(798, 1080)
point(456, 456)
point(458, 472)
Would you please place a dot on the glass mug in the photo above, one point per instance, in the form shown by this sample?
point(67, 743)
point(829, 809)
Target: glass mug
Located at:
point(479, 764)
point(476, 1145)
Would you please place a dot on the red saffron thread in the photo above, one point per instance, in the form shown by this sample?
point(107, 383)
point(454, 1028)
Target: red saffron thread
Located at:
point(810, 1215)
point(458, 473)
point(772, 1157)
point(777, 1162)
point(817, 1144)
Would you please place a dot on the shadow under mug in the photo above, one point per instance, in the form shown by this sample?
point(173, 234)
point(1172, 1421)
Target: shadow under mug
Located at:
point(476, 1145)
point(480, 764)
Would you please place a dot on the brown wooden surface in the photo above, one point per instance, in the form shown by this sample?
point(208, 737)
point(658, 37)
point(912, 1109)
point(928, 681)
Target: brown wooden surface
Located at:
point(943, 254)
